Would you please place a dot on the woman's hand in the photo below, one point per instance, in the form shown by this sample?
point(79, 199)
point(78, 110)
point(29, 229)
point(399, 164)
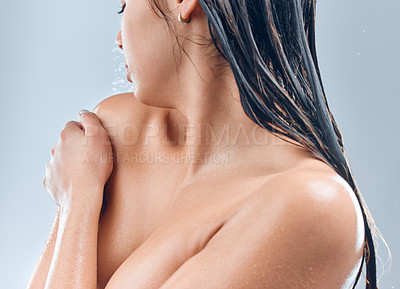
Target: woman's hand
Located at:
point(81, 163)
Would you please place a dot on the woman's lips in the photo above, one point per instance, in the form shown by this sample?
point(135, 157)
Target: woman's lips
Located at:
point(127, 74)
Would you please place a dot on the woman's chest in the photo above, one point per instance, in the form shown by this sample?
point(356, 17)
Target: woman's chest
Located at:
point(146, 221)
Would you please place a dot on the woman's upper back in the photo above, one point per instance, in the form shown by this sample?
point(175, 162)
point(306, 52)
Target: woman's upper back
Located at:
point(306, 214)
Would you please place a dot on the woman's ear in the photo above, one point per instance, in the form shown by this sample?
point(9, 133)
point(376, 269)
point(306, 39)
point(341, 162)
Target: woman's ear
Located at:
point(187, 7)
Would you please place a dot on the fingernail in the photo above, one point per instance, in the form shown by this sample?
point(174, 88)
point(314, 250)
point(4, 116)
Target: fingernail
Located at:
point(81, 112)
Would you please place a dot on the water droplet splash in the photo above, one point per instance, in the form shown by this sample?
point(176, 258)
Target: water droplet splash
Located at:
point(120, 83)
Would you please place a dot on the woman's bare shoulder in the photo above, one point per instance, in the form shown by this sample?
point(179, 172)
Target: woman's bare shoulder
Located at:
point(122, 107)
point(303, 226)
point(323, 207)
point(122, 115)
point(315, 189)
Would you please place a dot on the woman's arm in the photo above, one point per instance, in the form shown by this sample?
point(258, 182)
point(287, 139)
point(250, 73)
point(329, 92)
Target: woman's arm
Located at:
point(81, 163)
point(74, 263)
point(39, 276)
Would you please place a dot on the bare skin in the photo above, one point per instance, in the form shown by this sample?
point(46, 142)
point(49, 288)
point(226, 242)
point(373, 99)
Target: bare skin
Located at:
point(260, 213)
point(156, 220)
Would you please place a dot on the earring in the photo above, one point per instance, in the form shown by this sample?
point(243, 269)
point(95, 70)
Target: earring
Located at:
point(184, 21)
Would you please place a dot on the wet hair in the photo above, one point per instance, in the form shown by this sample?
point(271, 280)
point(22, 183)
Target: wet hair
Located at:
point(270, 47)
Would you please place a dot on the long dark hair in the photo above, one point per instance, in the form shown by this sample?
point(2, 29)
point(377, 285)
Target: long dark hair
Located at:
point(270, 47)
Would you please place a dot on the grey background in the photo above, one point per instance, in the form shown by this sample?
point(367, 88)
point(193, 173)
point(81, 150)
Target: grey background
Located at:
point(58, 57)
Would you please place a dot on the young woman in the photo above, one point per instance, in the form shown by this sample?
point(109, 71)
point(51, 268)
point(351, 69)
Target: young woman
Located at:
point(224, 169)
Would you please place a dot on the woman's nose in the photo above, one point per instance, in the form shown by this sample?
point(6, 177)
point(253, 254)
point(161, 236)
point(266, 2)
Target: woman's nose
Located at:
point(119, 40)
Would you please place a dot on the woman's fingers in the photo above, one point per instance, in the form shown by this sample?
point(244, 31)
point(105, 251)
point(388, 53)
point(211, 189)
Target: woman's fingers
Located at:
point(73, 124)
point(70, 126)
point(90, 122)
